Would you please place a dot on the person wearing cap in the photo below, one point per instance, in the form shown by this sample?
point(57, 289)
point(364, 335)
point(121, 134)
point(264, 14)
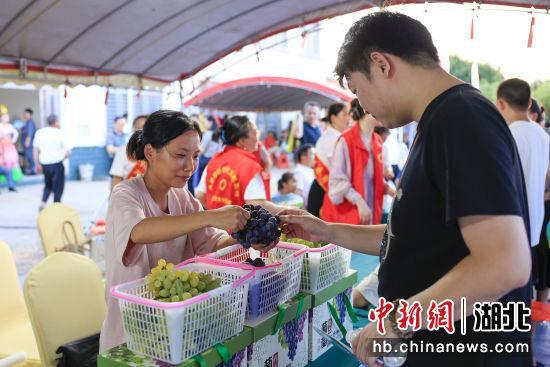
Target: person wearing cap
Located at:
point(9, 159)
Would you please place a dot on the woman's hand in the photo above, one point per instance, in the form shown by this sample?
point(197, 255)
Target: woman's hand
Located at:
point(365, 214)
point(229, 217)
point(301, 224)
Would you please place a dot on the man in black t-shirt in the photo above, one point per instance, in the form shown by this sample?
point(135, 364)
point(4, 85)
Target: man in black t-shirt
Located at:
point(458, 222)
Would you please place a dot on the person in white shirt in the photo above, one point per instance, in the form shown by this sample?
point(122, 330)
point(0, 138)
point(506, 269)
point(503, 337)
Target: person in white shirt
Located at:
point(338, 120)
point(50, 149)
point(533, 144)
point(122, 166)
point(303, 172)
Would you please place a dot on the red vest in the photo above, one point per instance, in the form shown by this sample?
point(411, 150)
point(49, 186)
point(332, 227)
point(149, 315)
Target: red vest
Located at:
point(139, 169)
point(321, 173)
point(359, 158)
point(228, 174)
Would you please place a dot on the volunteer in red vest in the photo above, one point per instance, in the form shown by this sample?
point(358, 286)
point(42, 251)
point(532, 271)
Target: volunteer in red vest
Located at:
point(356, 183)
point(234, 176)
point(338, 120)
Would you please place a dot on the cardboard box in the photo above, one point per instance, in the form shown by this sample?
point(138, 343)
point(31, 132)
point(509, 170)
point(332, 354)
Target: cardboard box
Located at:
point(288, 347)
point(321, 318)
point(238, 360)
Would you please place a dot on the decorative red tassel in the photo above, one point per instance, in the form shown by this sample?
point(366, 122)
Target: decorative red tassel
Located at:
point(304, 35)
point(66, 92)
point(530, 40)
point(472, 32)
point(138, 94)
point(107, 95)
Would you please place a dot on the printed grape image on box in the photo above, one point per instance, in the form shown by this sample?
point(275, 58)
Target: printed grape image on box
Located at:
point(288, 347)
point(321, 318)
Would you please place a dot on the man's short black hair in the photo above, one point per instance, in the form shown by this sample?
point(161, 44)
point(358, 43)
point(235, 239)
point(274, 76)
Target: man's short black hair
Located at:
point(385, 31)
point(516, 93)
point(302, 152)
point(29, 111)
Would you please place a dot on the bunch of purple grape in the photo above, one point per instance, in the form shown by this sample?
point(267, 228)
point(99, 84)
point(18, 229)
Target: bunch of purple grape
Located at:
point(261, 228)
point(301, 322)
point(257, 262)
point(294, 333)
point(341, 307)
point(236, 361)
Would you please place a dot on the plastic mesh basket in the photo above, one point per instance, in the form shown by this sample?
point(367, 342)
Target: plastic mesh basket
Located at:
point(173, 332)
point(273, 284)
point(323, 266)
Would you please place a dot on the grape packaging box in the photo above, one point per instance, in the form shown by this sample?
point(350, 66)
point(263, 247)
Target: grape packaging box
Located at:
point(288, 347)
point(238, 360)
point(321, 318)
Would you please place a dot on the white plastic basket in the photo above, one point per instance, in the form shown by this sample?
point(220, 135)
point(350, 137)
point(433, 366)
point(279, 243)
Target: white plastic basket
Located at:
point(175, 331)
point(323, 266)
point(273, 284)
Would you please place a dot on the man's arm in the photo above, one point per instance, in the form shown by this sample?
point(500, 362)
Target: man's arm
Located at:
point(358, 238)
point(499, 262)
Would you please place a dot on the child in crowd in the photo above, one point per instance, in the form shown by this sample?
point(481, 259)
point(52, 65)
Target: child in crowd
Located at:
point(288, 195)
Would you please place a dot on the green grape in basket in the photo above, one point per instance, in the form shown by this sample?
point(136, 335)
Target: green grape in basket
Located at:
point(168, 284)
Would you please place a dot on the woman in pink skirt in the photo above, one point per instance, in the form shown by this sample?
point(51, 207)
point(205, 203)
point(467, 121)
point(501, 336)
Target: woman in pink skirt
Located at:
point(9, 159)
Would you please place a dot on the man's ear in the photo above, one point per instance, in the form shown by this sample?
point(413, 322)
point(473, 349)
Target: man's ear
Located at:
point(501, 105)
point(381, 62)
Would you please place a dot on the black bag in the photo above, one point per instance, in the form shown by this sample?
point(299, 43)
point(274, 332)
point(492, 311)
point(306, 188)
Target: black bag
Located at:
point(79, 353)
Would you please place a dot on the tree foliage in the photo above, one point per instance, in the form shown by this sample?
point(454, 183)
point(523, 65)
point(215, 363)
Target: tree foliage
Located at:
point(489, 77)
point(541, 92)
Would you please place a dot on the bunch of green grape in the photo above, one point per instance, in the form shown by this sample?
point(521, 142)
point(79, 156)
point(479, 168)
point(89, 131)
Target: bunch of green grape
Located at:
point(310, 244)
point(174, 285)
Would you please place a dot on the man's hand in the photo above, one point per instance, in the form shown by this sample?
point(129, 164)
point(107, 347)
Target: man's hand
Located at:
point(365, 214)
point(363, 342)
point(38, 168)
point(301, 224)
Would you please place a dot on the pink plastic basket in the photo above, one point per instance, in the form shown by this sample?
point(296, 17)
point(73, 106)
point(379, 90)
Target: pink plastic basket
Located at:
point(323, 266)
point(273, 284)
point(175, 331)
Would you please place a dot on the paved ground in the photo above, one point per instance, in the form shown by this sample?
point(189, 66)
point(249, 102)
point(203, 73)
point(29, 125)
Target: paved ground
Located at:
point(19, 211)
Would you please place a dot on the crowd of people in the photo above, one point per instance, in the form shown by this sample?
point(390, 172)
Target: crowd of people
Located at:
point(33, 151)
point(468, 192)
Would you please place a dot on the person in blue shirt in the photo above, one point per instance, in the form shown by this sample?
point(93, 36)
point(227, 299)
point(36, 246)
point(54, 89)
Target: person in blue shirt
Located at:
point(117, 138)
point(27, 137)
point(311, 128)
